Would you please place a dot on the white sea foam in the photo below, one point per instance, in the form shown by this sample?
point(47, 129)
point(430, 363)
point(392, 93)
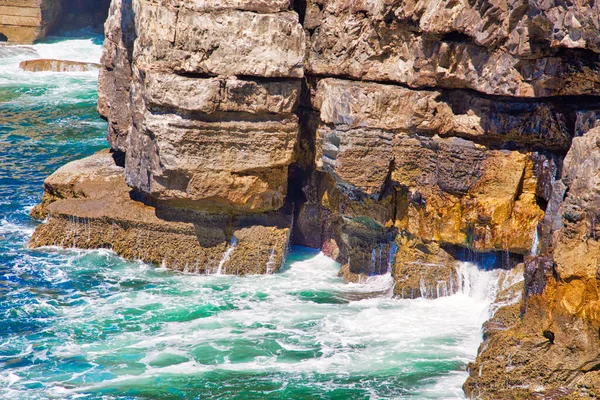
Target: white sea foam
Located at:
point(9, 227)
point(57, 87)
point(348, 337)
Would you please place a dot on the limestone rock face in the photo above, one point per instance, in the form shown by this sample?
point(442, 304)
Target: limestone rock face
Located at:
point(448, 189)
point(114, 80)
point(200, 125)
point(25, 21)
point(44, 65)
point(518, 48)
point(89, 205)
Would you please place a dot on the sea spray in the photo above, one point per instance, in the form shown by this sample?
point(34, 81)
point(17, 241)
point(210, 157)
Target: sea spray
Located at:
point(226, 256)
point(270, 267)
point(535, 243)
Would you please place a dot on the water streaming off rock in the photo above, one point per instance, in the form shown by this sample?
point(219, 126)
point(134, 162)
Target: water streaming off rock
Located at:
point(89, 323)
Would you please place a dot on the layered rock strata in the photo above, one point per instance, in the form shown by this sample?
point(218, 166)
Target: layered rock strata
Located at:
point(88, 205)
point(25, 21)
point(399, 137)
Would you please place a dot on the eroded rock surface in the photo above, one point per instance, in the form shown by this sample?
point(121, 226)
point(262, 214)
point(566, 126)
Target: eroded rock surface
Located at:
point(88, 205)
point(561, 297)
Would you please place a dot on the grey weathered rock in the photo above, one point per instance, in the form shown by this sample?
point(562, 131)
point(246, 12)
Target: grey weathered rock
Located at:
point(506, 48)
point(114, 80)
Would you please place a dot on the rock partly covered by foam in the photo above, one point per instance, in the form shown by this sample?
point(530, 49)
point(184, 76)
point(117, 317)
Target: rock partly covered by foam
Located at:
point(556, 342)
point(46, 65)
point(88, 205)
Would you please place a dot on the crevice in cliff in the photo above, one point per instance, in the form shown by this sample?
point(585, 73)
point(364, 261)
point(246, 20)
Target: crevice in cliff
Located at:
point(191, 116)
point(456, 37)
point(195, 75)
point(519, 190)
point(541, 203)
point(267, 79)
point(487, 260)
point(119, 157)
point(387, 187)
point(300, 7)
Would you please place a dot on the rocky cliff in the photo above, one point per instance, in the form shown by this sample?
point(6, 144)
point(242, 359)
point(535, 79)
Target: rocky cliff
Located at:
point(25, 21)
point(392, 134)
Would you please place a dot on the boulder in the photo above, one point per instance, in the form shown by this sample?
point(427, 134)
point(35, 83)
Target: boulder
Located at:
point(45, 65)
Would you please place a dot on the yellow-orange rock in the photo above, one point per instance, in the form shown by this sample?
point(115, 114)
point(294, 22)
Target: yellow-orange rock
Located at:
point(89, 205)
point(46, 65)
point(25, 21)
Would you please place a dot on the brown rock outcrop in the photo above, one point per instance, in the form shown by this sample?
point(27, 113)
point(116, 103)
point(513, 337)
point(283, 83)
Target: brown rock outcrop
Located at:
point(25, 21)
point(45, 65)
point(89, 206)
point(561, 297)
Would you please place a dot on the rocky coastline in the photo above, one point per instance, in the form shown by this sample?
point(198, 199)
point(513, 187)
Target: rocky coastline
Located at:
point(395, 136)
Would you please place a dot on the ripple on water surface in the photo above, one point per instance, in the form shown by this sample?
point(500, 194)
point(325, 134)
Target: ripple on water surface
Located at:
point(87, 323)
point(90, 322)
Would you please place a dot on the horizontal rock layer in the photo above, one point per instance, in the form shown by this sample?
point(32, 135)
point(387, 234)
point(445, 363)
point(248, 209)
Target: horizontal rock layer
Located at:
point(25, 21)
point(88, 205)
point(45, 65)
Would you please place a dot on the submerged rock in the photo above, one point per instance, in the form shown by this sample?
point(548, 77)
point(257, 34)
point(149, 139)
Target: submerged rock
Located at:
point(45, 65)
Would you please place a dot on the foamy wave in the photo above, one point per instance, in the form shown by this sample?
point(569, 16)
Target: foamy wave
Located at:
point(8, 228)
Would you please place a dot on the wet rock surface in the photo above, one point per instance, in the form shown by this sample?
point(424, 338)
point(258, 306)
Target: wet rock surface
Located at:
point(88, 205)
point(45, 65)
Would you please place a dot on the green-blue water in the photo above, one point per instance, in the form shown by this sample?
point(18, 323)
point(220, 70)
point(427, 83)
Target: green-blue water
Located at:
point(87, 324)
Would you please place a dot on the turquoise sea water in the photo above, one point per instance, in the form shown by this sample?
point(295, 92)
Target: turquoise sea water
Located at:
point(87, 324)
